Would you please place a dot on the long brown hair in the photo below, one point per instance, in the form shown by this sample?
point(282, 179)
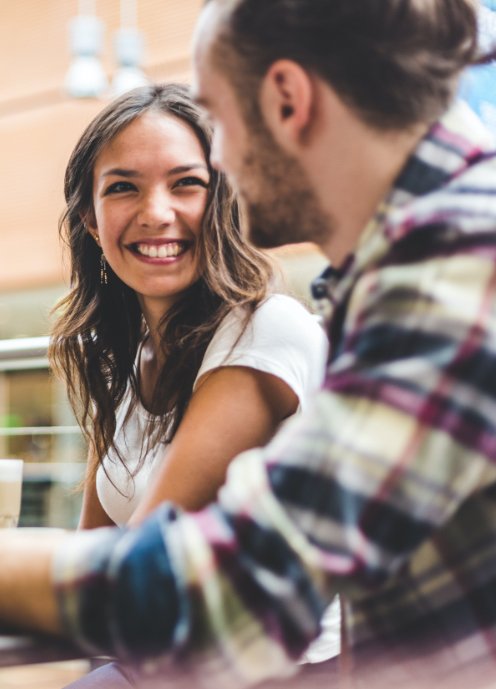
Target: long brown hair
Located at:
point(95, 339)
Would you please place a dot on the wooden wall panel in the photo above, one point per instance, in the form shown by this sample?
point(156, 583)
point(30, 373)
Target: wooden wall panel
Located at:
point(39, 124)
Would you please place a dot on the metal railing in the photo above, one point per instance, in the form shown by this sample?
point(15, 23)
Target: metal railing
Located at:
point(23, 353)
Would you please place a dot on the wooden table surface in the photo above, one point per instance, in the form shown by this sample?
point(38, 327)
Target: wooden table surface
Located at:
point(25, 649)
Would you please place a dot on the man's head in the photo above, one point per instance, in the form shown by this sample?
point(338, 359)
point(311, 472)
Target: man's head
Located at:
point(244, 147)
point(393, 64)
point(396, 62)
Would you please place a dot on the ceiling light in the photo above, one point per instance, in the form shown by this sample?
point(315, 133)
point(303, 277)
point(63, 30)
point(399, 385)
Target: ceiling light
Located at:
point(128, 48)
point(85, 77)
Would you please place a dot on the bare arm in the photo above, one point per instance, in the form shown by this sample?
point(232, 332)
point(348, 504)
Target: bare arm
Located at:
point(92, 513)
point(27, 594)
point(233, 409)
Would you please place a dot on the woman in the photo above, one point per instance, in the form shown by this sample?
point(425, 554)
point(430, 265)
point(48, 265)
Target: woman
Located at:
point(175, 355)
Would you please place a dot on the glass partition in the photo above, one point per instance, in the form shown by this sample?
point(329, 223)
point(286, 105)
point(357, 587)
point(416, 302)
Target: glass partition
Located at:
point(37, 425)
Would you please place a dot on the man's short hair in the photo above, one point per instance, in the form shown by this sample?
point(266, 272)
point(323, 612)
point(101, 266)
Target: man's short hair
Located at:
point(395, 62)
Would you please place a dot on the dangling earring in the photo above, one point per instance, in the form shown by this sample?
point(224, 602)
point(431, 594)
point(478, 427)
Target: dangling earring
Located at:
point(103, 270)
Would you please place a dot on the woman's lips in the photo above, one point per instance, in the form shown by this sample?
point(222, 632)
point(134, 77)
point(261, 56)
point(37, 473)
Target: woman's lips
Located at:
point(170, 249)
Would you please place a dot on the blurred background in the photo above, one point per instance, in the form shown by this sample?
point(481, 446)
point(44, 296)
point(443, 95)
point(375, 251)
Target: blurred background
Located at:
point(62, 60)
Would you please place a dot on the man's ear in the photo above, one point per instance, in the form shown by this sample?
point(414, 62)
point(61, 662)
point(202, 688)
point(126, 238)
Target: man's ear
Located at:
point(287, 101)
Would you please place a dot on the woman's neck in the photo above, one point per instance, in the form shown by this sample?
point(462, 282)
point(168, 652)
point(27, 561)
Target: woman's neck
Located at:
point(150, 362)
point(154, 312)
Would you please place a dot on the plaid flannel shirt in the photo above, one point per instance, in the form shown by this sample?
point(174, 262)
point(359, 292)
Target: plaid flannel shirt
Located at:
point(383, 491)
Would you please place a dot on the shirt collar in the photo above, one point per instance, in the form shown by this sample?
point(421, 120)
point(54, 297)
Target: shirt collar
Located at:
point(443, 153)
point(323, 286)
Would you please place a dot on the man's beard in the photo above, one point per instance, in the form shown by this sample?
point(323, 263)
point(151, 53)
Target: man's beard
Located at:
point(286, 209)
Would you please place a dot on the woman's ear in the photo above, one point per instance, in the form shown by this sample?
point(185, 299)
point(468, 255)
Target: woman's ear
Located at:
point(89, 223)
point(287, 101)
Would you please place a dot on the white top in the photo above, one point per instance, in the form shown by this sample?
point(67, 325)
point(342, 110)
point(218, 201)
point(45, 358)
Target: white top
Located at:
point(282, 338)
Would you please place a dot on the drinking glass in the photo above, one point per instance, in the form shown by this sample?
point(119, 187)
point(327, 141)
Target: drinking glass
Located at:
point(10, 491)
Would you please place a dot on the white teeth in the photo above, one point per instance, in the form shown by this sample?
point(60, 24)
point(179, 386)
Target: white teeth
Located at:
point(163, 251)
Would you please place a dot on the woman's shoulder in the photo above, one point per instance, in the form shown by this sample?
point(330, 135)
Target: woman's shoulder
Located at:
point(274, 305)
point(286, 317)
point(280, 337)
point(285, 305)
point(280, 323)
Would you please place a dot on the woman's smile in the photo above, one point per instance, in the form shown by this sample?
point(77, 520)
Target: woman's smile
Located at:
point(156, 252)
point(150, 190)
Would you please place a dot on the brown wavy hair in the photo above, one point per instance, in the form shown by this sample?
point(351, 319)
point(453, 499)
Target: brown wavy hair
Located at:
point(395, 62)
point(98, 329)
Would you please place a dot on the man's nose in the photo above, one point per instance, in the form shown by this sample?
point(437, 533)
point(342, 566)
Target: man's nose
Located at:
point(156, 209)
point(215, 156)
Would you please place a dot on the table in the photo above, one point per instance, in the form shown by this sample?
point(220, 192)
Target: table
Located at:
point(25, 649)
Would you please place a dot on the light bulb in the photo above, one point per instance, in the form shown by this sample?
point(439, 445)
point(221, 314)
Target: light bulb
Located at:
point(85, 77)
point(128, 45)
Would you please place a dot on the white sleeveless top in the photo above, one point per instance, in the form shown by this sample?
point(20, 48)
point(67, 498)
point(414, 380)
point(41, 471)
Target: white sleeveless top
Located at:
point(282, 338)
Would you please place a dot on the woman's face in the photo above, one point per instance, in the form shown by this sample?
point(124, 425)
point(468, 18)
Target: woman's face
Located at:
point(149, 194)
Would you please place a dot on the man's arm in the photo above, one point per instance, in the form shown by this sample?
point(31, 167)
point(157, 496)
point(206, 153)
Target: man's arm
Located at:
point(192, 587)
point(339, 500)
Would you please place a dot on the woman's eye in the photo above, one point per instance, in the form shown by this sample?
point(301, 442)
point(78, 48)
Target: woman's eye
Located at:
point(119, 187)
point(191, 182)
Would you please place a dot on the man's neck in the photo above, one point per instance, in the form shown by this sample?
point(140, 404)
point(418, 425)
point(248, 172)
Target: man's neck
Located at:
point(352, 168)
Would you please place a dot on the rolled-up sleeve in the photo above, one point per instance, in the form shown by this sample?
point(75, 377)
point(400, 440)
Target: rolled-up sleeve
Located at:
point(220, 588)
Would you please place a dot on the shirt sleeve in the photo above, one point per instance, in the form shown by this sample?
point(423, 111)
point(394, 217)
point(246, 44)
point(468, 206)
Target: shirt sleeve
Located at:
point(281, 338)
point(338, 501)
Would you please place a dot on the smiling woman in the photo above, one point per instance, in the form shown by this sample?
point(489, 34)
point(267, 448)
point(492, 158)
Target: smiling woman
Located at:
point(150, 191)
point(175, 353)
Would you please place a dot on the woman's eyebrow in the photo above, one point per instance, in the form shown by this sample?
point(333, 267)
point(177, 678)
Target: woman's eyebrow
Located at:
point(179, 169)
point(187, 168)
point(120, 172)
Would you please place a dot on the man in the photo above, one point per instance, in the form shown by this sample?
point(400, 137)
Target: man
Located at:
point(334, 118)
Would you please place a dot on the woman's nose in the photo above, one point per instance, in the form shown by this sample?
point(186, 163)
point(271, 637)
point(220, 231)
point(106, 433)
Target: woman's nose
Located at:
point(156, 209)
